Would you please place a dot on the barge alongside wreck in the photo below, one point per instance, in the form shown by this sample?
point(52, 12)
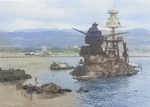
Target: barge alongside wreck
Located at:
point(99, 62)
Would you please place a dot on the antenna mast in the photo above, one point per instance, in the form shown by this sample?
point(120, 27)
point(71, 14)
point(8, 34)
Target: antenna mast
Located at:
point(113, 23)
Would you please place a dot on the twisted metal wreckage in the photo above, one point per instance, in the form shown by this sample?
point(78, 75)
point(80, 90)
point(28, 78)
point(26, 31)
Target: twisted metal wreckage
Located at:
point(99, 62)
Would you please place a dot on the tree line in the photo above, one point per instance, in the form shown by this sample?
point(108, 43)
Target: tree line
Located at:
point(51, 49)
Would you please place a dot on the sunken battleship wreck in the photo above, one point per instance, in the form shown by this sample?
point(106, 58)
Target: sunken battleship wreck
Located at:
point(103, 62)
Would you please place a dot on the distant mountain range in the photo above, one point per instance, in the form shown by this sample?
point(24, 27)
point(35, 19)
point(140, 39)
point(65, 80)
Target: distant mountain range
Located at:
point(136, 38)
point(44, 29)
point(42, 37)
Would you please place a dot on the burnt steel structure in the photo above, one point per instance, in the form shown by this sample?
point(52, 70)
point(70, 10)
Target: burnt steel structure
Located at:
point(106, 62)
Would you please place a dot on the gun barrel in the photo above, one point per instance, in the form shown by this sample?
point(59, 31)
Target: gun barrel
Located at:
point(79, 31)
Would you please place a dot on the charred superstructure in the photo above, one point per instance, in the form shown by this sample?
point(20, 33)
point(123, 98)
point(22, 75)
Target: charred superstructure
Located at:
point(106, 62)
point(95, 39)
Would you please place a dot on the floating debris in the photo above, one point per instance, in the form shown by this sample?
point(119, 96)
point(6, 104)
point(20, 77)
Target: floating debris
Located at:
point(60, 66)
point(82, 90)
point(47, 89)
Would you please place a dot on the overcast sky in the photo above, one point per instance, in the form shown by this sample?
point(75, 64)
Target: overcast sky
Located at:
point(30, 14)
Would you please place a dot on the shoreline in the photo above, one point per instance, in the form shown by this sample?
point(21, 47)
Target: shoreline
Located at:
point(22, 55)
point(36, 67)
point(139, 54)
point(11, 97)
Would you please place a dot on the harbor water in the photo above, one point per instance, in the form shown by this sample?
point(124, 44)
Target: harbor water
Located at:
point(124, 91)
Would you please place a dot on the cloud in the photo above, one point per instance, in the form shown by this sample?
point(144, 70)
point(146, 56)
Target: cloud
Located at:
point(28, 24)
point(69, 13)
point(30, 10)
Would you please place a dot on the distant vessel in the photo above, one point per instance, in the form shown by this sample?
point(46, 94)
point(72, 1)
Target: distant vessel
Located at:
point(12, 74)
point(60, 66)
point(29, 53)
point(106, 62)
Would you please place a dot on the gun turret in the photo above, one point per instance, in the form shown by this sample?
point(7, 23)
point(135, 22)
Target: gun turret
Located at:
point(93, 36)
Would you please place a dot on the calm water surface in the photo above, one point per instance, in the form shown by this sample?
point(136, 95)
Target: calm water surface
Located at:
point(127, 91)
